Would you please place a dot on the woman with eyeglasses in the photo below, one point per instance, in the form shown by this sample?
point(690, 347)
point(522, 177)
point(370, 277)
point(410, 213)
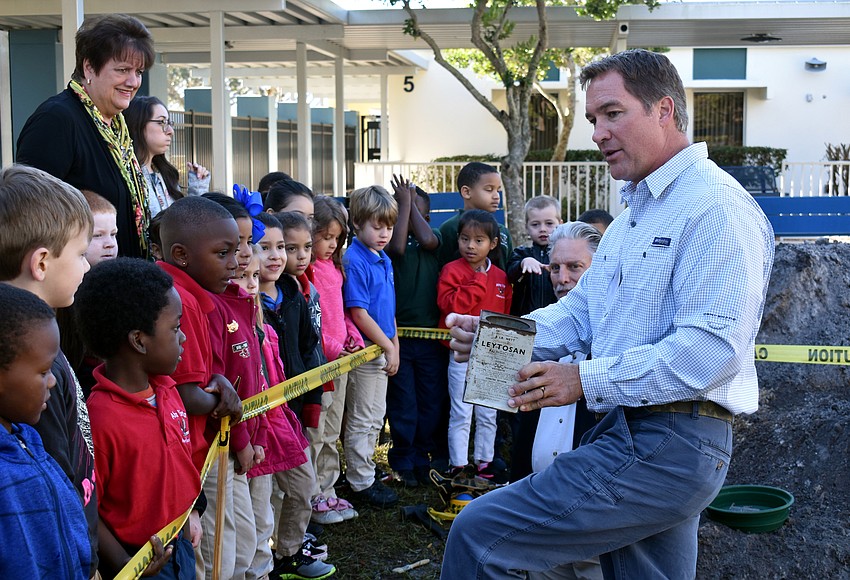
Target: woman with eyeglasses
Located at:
point(152, 131)
point(80, 135)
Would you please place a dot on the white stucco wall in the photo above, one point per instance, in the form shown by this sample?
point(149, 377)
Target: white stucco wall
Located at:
point(452, 123)
point(439, 118)
point(787, 119)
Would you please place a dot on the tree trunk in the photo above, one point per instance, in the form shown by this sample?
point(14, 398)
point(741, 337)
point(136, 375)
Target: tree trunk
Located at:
point(519, 141)
point(566, 114)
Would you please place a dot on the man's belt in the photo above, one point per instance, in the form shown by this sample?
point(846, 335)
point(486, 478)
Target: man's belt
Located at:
point(700, 408)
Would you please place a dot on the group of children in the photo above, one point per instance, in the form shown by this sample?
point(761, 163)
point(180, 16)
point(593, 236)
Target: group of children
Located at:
point(237, 301)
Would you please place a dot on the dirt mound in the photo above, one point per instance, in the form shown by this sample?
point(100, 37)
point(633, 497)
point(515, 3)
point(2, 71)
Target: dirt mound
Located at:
point(799, 439)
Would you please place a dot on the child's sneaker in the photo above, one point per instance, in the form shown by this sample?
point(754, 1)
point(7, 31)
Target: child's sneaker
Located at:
point(493, 472)
point(343, 508)
point(378, 495)
point(310, 547)
point(301, 567)
point(323, 513)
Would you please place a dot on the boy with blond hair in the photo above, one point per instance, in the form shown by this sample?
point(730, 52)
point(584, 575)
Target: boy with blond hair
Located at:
point(369, 294)
point(480, 186)
point(104, 239)
point(528, 265)
point(45, 229)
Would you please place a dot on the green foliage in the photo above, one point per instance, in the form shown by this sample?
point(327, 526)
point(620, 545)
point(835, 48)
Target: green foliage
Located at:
point(486, 157)
point(761, 156)
point(840, 174)
point(607, 9)
point(572, 155)
point(840, 152)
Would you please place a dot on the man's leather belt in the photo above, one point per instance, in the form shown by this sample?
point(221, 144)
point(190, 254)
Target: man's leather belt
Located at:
point(701, 408)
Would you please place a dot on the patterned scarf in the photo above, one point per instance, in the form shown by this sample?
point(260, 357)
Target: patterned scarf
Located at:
point(117, 138)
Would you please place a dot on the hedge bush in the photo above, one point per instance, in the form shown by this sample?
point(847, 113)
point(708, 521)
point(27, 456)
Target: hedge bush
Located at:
point(762, 156)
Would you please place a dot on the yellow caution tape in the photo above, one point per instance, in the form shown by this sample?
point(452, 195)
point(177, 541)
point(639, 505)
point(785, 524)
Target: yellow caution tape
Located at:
point(792, 353)
point(429, 333)
point(297, 386)
point(251, 407)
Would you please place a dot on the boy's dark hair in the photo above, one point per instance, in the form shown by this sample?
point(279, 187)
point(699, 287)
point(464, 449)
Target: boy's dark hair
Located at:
point(21, 309)
point(117, 36)
point(236, 209)
point(270, 179)
point(423, 195)
point(268, 220)
point(292, 220)
point(37, 210)
point(282, 191)
point(472, 172)
point(186, 217)
point(137, 116)
point(153, 228)
point(483, 220)
point(596, 216)
point(117, 297)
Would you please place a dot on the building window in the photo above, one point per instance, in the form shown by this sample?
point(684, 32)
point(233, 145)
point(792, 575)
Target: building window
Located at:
point(720, 63)
point(719, 118)
point(543, 119)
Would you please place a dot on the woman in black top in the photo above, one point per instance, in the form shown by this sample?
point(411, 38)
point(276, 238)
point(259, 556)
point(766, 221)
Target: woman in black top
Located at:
point(80, 135)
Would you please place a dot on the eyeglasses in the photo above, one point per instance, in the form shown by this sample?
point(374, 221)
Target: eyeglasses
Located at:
point(164, 124)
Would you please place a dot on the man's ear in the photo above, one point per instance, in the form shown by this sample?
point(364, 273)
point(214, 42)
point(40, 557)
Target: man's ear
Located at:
point(137, 342)
point(666, 109)
point(178, 254)
point(36, 263)
point(464, 192)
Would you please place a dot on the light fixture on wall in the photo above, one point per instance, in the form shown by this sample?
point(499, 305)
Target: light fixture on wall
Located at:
point(760, 38)
point(815, 64)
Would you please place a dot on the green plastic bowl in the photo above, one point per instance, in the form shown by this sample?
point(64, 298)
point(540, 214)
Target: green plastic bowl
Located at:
point(751, 508)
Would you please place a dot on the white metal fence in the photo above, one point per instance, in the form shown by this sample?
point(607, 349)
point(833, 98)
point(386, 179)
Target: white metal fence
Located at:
point(587, 185)
point(829, 178)
point(578, 185)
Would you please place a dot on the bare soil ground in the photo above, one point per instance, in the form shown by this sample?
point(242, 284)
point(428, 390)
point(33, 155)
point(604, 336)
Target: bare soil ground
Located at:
point(799, 440)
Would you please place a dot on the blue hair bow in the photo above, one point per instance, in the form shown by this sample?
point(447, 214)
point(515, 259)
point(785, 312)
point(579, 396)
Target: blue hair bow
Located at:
point(253, 202)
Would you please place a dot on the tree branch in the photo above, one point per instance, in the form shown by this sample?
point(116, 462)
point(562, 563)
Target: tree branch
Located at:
point(542, 43)
point(438, 56)
point(497, 60)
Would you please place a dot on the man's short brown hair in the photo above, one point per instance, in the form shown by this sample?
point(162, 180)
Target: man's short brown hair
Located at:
point(37, 210)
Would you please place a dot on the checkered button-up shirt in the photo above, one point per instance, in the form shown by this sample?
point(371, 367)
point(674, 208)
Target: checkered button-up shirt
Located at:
point(672, 302)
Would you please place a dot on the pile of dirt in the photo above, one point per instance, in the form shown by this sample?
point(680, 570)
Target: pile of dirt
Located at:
point(799, 439)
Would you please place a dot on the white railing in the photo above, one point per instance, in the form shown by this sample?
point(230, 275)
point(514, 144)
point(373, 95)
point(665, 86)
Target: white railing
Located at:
point(587, 185)
point(578, 185)
point(829, 178)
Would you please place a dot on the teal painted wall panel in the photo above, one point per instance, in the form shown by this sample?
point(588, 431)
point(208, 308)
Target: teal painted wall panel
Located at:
point(198, 100)
point(720, 63)
point(32, 56)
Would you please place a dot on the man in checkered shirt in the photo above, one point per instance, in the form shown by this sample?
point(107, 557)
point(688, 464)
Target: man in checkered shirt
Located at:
point(669, 310)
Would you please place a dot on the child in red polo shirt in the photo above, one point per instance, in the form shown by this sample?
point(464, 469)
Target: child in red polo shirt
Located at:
point(145, 474)
point(469, 285)
point(199, 247)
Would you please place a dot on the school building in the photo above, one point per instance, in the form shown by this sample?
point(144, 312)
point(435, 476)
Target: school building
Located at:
point(771, 74)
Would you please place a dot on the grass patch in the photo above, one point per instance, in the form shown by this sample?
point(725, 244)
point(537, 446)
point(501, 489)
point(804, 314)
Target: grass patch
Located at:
point(370, 546)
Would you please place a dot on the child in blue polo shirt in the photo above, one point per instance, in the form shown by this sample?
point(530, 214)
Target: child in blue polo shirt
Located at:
point(369, 294)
